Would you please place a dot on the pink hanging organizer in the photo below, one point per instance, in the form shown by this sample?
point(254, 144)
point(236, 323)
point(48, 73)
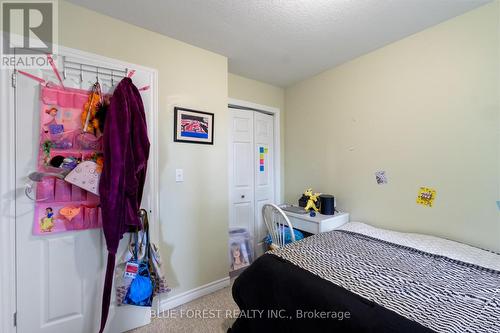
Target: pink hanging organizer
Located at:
point(61, 206)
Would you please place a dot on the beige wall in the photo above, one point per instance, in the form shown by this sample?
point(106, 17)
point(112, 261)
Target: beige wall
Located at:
point(258, 92)
point(193, 214)
point(424, 109)
point(249, 90)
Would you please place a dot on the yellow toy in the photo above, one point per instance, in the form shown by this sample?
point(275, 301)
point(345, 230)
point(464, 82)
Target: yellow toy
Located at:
point(100, 163)
point(91, 121)
point(88, 116)
point(311, 202)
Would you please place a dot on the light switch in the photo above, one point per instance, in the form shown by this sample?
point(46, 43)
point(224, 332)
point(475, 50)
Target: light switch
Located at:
point(179, 175)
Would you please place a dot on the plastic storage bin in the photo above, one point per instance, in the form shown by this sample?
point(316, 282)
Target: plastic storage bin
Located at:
point(240, 248)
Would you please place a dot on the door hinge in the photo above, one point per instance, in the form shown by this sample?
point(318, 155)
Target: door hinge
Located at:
point(13, 79)
point(14, 319)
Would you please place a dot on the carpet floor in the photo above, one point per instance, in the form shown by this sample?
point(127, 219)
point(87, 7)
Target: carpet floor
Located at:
point(213, 313)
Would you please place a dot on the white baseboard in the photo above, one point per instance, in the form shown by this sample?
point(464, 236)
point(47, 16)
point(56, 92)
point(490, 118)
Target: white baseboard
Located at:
point(169, 302)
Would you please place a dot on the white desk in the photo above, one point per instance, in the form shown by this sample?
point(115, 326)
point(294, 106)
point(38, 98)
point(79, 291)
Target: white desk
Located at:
point(318, 223)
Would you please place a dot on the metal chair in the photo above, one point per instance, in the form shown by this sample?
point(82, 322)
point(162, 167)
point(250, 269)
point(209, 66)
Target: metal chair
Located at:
point(276, 222)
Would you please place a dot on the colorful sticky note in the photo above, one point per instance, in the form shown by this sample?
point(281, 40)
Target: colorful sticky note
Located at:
point(261, 156)
point(498, 204)
point(266, 150)
point(261, 150)
point(261, 168)
point(262, 161)
point(426, 196)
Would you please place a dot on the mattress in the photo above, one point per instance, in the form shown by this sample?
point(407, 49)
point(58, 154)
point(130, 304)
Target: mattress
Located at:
point(386, 280)
point(430, 244)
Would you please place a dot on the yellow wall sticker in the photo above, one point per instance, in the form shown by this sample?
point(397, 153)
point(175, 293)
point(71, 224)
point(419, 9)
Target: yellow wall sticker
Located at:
point(426, 196)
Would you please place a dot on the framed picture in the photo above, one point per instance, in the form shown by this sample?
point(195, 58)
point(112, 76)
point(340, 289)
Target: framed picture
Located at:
point(193, 126)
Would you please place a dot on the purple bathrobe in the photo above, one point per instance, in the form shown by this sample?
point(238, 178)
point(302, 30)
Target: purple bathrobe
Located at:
point(126, 152)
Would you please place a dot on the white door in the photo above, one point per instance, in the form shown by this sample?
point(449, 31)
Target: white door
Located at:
point(60, 276)
point(264, 173)
point(252, 171)
point(241, 182)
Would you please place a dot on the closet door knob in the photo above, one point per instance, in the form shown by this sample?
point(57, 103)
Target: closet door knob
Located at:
point(243, 196)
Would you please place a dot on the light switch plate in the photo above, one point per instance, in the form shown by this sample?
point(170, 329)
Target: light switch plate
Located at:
point(179, 175)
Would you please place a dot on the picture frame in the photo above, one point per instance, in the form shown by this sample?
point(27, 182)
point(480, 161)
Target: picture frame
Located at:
point(193, 126)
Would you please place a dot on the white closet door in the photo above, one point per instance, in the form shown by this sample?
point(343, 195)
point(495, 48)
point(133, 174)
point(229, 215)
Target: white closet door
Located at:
point(252, 171)
point(60, 276)
point(241, 180)
point(263, 171)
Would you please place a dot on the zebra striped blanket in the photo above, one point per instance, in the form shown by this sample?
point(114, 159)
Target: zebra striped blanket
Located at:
point(441, 293)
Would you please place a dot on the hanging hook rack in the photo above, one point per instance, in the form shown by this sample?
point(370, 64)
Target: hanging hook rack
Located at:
point(100, 71)
point(64, 69)
point(113, 74)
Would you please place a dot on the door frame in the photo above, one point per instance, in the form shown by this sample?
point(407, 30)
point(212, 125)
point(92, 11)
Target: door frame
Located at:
point(9, 192)
point(7, 204)
point(275, 112)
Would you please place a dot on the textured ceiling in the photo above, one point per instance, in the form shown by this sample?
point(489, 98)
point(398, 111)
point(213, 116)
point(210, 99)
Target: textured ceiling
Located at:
point(284, 41)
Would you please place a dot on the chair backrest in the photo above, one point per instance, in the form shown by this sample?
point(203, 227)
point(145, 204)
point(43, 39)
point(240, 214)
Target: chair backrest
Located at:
point(276, 222)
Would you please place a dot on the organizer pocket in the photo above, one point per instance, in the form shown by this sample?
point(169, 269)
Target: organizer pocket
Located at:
point(79, 100)
point(90, 217)
point(74, 221)
point(62, 190)
point(65, 98)
point(49, 96)
point(92, 198)
point(58, 164)
point(78, 193)
point(80, 217)
point(88, 141)
point(99, 217)
point(45, 189)
point(64, 140)
point(69, 153)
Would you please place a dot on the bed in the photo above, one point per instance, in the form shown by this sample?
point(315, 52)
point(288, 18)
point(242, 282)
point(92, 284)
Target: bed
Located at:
point(363, 279)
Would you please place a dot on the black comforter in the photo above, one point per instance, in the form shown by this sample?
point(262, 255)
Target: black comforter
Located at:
point(277, 296)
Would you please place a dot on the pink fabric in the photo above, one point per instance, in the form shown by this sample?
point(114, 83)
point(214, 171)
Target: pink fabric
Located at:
point(54, 68)
point(54, 194)
point(78, 194)
point(31, 76)
point(45, 189)
point(68, 98)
